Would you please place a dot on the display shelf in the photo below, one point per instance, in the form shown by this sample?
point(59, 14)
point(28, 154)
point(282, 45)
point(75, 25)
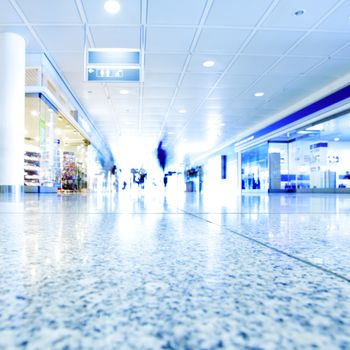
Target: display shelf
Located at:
point(69, 171)
point(31, 169)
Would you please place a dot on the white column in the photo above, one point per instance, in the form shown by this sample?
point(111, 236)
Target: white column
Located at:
point(12, 99)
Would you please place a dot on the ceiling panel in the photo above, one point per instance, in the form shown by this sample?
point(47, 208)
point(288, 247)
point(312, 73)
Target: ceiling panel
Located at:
point(334, 67)
point(199, 80)
point(161, 79)
point(225, 93)
point(119, 37)
point(221, 40)
point(338, 19)
point(189, 104)
point(167, 63)
point(50, 12)
point(269, 84)
point(237, 81)
point(272, 42)
point(221, 62)
point(168, 39)
point(294, 65)
point(69, 61)
point(130, 13)
point(185, 92)
point(284, 16)
point(62, 38)
point(162, 104)
point(343, 53)
point(114, 91)
point(149, 92)
point(8, 15)
point(237, 12)
point(175, 12)
point(321, 44)
point(252, 65)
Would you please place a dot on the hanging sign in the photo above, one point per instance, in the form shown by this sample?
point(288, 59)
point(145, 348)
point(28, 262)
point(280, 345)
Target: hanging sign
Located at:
point(113, 65)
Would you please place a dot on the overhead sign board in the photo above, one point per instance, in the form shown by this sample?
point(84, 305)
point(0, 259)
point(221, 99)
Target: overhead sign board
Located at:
point(114, 74)
point(113, 65)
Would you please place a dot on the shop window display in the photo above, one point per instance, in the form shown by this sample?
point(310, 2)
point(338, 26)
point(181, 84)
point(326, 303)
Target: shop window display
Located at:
point(54, 150)
point(312, 158)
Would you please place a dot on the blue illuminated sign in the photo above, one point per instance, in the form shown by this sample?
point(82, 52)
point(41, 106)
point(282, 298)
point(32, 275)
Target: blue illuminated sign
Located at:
point(113, 57)
point(113, 65)
point(114, 74)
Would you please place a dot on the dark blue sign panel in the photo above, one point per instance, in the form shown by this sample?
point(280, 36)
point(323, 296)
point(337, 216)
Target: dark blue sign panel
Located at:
point(114, 74)
point(113, 57)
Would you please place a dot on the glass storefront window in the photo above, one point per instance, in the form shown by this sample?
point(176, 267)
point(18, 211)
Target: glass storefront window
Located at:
point(315, 157)
point(55, 152)
point(255, 168)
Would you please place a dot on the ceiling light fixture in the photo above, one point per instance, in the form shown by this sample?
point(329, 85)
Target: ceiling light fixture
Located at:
point(112, 6)
point(182, 111)
point(34, 113)
point(336, 139)
point(208, 64)
point(124, 92)
point(299, 12)
point(259, 94)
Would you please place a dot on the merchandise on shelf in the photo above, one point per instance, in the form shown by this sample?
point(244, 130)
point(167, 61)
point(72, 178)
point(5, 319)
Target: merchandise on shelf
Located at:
point(69, 172)
point(31, 168)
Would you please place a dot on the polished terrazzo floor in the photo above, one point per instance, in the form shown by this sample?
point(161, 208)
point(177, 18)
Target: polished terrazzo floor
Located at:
point(151, 270)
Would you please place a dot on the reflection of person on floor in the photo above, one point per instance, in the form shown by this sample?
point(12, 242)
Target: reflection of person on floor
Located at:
point(165, 180)
point(124, 185)
point(347, 175)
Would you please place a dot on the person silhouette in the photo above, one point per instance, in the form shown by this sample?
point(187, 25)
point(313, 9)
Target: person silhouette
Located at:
point(162, 155)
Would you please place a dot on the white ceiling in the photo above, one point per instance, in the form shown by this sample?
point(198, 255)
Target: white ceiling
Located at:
point(257, 45)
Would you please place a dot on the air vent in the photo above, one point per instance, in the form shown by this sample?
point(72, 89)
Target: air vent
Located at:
point(32, 76)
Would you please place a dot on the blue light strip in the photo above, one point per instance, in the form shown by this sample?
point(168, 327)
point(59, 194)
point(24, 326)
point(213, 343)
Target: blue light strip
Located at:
point(317, 106)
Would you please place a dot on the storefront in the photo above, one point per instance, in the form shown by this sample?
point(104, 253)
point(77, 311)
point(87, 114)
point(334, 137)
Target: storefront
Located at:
point(55, 151)
point(314, 158)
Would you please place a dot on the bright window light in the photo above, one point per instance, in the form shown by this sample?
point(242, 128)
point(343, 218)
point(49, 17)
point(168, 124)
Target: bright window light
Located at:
point(112, 6)
point(208, 64)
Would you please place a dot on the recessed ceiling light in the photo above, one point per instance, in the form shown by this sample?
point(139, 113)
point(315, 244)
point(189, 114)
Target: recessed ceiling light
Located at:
point(124, 92)
point(67, 126)
point(182, 111)
point(170, 133)
point(112, 6)
point(336, 139)
point(299, 12)
point(208, 64)
point(259, 94)
point(34, 113)
point(222, 124)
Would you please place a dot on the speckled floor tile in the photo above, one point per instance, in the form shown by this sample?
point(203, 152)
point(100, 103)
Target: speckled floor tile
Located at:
point(314, 228)
point(75, 274)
